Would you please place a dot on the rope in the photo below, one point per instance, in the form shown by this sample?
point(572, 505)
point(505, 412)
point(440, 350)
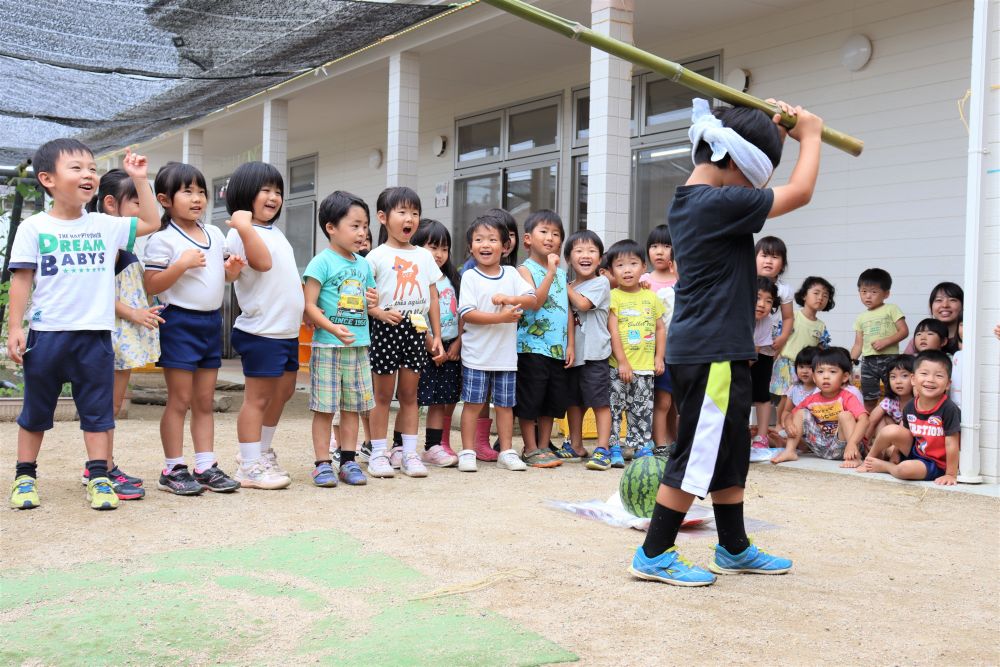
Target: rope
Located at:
point(492, 580)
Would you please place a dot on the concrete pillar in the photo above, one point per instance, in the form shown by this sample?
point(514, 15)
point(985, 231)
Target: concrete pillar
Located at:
point(193, 149)
point(404, 120)
point(610, 154)
point(274, 148)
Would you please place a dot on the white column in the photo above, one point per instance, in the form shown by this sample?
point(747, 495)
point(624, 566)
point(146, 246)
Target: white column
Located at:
point(610, 155)
point(404, 120)
point(274, 149)
point(193, 148)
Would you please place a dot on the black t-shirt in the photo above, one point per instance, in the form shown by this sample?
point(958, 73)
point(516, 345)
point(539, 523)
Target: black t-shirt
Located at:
point(712, 232)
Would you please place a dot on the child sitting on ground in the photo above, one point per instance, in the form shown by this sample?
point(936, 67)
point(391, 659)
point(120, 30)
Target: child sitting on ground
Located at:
point(878, 332)
point(927, 446)
point(930, 334)
point(832, 421)
point(898, 392)
point(803, 387)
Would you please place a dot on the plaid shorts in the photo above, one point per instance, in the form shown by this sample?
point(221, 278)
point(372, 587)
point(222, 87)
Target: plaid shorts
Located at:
point(477, 385)
point(341, 380)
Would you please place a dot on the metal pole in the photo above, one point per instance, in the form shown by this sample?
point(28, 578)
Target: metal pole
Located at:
point(675, 72)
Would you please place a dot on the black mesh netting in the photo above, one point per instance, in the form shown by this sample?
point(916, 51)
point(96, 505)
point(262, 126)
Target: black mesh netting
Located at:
point(114, 72)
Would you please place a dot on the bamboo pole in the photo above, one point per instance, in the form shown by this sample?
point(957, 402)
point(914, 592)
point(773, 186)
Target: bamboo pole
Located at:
point(675, 72)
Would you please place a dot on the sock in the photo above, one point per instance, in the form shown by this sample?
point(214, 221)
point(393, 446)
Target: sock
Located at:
point(29, 468)
point(729, 523)
point(249, 452)
point(346, 456)
point(266, 436)
point(663, 528)
point(97, 468)
point(483, 426)
point(203, 461)
point(397, 439)
point(410, 444)
point(333, 440)
point(378, 448)
point(316, 463)
point(170, 464)
point(433, 438)
point(446, 432)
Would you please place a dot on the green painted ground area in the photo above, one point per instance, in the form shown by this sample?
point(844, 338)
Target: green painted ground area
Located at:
point(314, 597)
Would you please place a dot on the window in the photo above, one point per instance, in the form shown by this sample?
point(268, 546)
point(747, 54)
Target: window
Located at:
point(301, 178)
point(667, 105)
point(473, 197)
point(656, 174)
point(533, 128)
point(529, 189)
point(579, 219)
point(479, 139)
point(299, 210)
point(581, 115)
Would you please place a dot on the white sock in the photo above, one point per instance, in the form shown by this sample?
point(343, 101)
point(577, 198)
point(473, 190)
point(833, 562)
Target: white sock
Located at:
point(409, 444)
point(266, 436)
point(378, 447)
point(333, 440)
point(168, 464)
point(203, 461)
point(250, 451)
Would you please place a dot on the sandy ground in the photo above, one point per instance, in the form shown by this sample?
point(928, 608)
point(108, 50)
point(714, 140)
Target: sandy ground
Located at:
point(884, 573)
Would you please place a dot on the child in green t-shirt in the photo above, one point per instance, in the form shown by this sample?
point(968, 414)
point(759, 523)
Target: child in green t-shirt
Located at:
point(878, 332)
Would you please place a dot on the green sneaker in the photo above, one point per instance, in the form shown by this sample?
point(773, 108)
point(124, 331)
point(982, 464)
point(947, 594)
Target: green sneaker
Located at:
point(101, 494)
point(24, 493)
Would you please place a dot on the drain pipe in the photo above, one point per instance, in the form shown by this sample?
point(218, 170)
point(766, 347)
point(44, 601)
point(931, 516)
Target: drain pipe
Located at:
point(969, 460)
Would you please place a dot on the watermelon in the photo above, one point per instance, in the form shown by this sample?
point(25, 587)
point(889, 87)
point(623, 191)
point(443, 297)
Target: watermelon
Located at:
point(639, 484)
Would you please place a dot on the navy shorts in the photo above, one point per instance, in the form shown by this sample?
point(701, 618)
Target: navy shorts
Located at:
point(542, 387)
point(85, 359)
point(664, 382)
point(190, 339)
point(477, 386)
point(440, 385)
point(933, 469)
point(264, 357)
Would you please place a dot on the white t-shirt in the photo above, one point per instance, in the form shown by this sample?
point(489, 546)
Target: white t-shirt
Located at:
point(955, 393)
point(490, 347)
point(785, 295)
point(272, 302)
point(74, 264)
point(200, 288)
point(404, 277)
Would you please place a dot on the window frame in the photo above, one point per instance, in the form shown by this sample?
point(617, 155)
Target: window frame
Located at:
point(496, 114)
point(646, 78)
point(543, 103)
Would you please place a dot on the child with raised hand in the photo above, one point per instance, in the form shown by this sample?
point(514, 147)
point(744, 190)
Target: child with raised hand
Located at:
point(63, 258)
point(813, 297)
point(492, 298)
point(339, 295)
point(898, 392)
point(930, 334)
point(544, 340)
point(772, 262)
point(830, 422)
point(441, 382)
point(878, 332)
point(135, 338)
point(589, 380)
point(803, 387)
point(635, 323)
point(661, 281)
point(713, 218)
point(266, 333)
point(406, 326)
point(927, 443)
point(187, 270)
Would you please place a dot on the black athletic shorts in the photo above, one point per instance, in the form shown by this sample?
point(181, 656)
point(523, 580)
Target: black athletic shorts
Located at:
point(713, 434)
point(760, 378)
point(541, 387)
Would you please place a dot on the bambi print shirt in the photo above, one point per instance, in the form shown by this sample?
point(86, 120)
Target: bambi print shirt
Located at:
point(404, 277)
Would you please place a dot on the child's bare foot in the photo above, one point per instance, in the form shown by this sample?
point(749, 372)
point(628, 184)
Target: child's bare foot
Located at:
point(864, 467)
point(850, 463)
point(787, 455)
point(878, 465)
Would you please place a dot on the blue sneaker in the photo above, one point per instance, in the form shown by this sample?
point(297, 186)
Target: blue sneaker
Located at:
point(645, 450)
point(323, 475)
point(350, 473)
point(600, 460)
point(617, 461)
point(752, 560)
point(670, 568)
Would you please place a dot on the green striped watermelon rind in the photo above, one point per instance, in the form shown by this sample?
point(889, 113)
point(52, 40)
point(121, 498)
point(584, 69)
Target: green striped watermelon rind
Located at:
point(639, 484)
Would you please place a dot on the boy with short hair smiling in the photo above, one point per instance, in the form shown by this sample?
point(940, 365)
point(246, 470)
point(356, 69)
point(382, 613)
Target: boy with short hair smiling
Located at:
point(878, 331)
point(927, 444)
point(69, 257)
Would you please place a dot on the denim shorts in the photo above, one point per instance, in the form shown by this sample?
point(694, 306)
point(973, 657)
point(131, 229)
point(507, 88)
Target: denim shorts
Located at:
point(477, 386)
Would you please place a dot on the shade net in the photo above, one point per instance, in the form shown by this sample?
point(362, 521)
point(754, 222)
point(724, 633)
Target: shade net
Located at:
point(114, 72)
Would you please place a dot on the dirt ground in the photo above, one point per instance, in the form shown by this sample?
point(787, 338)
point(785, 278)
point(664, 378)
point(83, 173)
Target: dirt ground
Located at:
point(884, 573)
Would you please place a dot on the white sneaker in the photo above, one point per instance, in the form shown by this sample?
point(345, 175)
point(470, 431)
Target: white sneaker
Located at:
point(396, 457)
point(509, 460)
point(437, 456)
point(271, 461)
point(258, 475)
point(378, 466)
point(467, 460)
point(412, 466)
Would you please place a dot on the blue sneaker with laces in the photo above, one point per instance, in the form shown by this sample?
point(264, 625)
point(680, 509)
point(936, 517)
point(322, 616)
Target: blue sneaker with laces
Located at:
point(617, 460)
point(350, 473)
point(323, 475)
point(670, 568)
point(645, 450)
point(751, 561)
